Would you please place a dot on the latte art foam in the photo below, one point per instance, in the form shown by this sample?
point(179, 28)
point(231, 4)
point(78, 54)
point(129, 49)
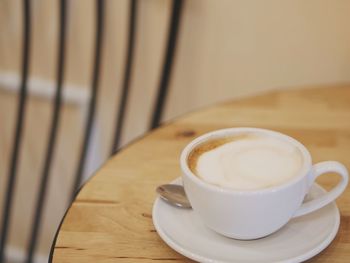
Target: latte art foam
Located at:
point(246, 162)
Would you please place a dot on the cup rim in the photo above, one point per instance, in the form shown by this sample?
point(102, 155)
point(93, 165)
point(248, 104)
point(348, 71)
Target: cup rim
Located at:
point(307, 161)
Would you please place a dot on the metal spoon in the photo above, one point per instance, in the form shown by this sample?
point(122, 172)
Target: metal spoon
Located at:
point(174, 194)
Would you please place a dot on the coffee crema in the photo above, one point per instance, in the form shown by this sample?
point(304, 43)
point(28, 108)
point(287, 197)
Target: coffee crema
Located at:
point(246, 161)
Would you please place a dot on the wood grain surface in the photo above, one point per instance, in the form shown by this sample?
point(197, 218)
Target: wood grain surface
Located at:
point(110, 220)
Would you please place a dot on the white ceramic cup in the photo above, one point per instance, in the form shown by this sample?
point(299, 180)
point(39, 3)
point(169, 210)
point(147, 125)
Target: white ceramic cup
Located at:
point(257, 213)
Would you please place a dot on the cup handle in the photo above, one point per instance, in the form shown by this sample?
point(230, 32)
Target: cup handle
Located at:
point(318, 169)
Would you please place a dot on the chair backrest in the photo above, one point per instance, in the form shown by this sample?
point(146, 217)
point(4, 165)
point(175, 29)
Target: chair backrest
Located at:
point(56, 114)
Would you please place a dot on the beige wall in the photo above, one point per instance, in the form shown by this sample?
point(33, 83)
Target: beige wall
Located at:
point(234, 48)
point(226, 49)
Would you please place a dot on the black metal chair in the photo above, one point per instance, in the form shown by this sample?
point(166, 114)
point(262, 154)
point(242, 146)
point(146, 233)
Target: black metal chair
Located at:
point(56, 113)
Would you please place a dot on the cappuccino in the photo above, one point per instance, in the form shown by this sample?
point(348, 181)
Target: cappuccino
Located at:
point(246, 161)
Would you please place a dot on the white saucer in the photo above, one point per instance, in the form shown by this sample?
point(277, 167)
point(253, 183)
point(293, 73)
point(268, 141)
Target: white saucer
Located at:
point(301, 239)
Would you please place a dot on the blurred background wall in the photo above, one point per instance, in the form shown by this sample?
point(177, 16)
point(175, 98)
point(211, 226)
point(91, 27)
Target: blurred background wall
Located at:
point(226, 49)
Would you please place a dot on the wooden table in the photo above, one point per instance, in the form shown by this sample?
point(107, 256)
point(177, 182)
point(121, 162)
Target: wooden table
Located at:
point(111, 221)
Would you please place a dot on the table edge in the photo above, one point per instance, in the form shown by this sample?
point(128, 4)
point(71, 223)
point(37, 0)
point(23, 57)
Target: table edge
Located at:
point(142, 136)
point(127, 145)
